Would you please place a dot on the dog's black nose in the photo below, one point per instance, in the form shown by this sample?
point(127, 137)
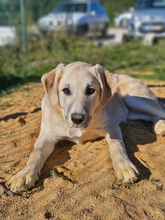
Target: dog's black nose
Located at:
point(77, 118)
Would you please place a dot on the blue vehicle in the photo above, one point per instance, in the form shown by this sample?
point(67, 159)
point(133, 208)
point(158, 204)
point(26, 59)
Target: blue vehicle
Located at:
point(76, 16)
point(148, 16)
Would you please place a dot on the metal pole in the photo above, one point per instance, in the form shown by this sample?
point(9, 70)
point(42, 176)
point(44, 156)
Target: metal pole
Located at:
point(23, 26)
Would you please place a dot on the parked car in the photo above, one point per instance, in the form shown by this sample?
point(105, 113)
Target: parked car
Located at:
point(122, 19)
point(77, 16)
point(148, 17)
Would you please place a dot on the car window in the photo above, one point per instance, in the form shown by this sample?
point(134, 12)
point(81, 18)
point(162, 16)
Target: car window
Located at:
point(97, 8)
point(141, 4)
point(71, 7)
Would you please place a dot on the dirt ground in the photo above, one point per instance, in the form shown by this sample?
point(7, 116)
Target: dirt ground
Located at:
point(78, 181)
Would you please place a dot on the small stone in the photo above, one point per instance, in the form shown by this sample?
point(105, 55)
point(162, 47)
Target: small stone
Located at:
point(21, 121)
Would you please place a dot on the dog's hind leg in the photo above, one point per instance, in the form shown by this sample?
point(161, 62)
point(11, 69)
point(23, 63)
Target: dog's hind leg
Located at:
point(144, 105)
point(148, 110)
point(158, 124)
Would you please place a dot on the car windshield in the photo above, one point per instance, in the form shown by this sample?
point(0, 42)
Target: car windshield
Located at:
point(153, 4)
point(71, 7)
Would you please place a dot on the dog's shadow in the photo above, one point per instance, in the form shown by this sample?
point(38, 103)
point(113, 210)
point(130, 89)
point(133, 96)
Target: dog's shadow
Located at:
point(138, 133)
point(134, 133)
point(59, 157)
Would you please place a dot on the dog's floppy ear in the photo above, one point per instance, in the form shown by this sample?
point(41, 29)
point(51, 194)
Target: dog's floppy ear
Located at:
point(50, 82)
point(108, 83)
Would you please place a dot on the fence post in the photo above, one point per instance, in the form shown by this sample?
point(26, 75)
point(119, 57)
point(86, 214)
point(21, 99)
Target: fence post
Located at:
point(23, 26)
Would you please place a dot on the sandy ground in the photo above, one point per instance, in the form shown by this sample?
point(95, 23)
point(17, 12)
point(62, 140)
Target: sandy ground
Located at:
point(78, 181)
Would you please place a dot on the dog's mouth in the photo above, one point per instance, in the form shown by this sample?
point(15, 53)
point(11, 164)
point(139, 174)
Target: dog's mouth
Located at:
point(83, 125)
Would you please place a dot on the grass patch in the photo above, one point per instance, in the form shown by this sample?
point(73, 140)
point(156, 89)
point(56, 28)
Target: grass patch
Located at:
point(53, 173)
point(130, 185)
point(153, 180)
point(44, 54)
point(158, 185)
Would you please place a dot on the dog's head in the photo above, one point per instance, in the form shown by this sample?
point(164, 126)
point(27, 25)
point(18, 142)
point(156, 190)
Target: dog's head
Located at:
point(78, 89)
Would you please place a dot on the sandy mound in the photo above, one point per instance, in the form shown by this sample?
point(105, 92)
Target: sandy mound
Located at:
point(78, 181)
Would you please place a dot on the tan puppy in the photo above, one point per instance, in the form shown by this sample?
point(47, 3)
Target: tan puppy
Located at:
point(83, 102)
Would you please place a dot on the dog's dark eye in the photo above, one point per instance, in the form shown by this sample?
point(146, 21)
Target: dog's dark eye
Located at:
point(66, 91)
point(90, 91)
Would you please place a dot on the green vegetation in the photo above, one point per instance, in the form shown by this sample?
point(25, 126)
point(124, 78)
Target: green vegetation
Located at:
point(130, 185)
point(53, 173)
point(45, 53)
point(159, 186)
point(153, 180)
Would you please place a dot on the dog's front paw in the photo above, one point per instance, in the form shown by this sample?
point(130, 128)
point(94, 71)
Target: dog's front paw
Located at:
point(126, 171)
point(23, 180)
point(159, 127)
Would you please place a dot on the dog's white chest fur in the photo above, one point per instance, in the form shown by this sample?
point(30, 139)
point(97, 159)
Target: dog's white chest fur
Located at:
point(80, 135)
point(75, 132)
